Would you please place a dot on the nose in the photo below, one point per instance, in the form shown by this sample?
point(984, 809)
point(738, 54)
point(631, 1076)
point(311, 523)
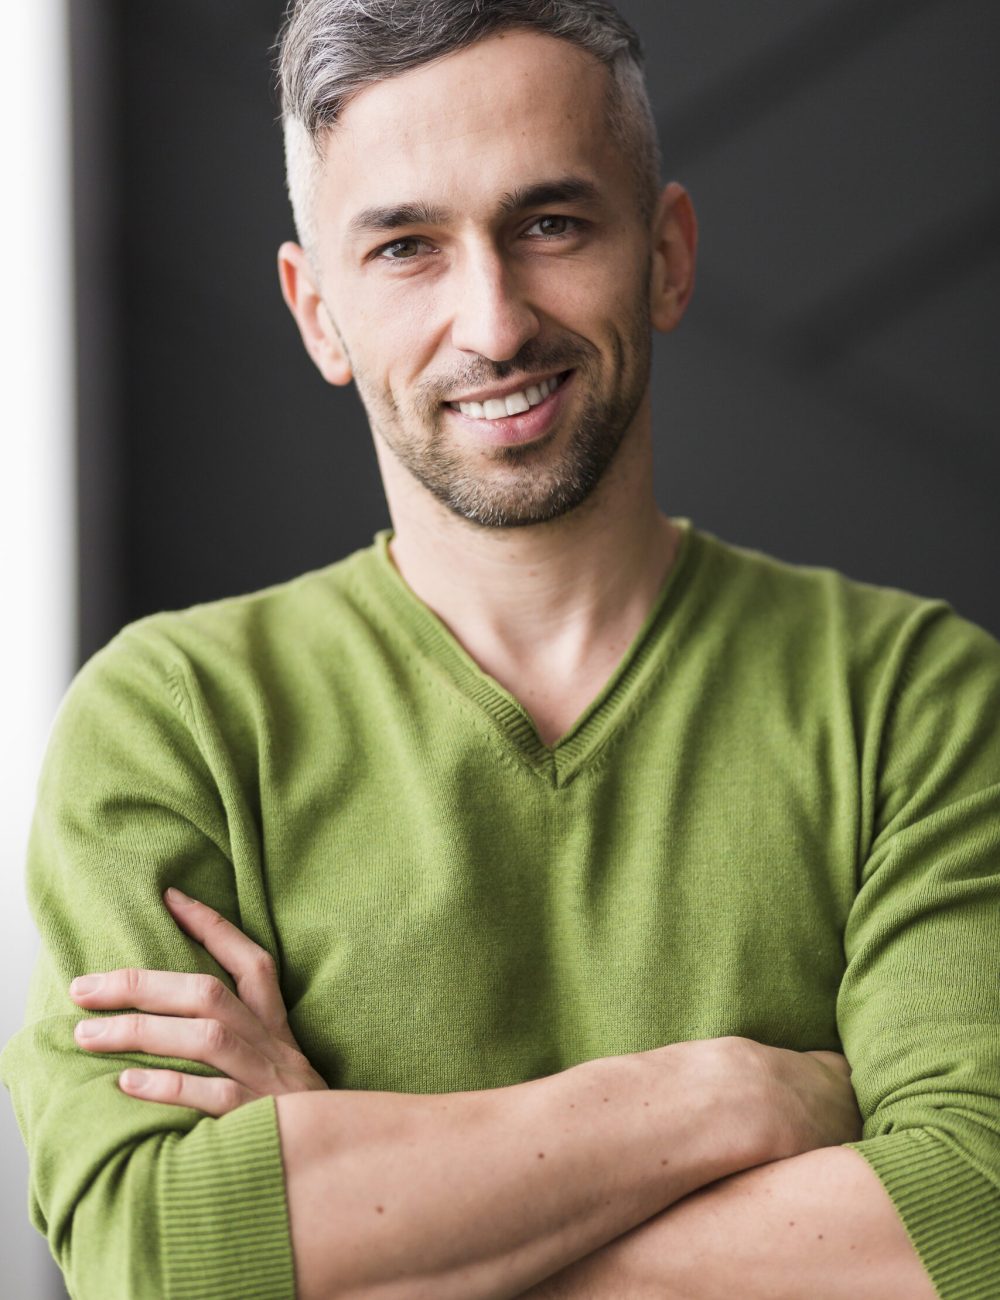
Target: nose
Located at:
point(492, 315)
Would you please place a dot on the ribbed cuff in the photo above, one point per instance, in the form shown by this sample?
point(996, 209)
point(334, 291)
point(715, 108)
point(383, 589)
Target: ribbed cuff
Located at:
point(224, 1224)
point(951, 1212)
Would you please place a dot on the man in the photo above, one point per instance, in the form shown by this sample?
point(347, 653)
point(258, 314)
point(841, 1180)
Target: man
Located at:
point(540, 860)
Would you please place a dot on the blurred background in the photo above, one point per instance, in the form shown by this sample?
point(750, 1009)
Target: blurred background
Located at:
point(831, 398)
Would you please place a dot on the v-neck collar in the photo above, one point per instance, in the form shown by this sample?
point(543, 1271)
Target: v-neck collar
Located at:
point(560, 762)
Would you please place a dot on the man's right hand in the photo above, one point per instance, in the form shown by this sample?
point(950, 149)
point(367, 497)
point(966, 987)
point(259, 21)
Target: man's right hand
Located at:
point(812, 1101)
point(772, 1103)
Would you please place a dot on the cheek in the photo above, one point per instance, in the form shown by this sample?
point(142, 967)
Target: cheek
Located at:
point(596, 297)
point(392, 338)
point(631, 304)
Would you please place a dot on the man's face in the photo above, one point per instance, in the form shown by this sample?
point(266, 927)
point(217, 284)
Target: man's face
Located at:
point(484, 259)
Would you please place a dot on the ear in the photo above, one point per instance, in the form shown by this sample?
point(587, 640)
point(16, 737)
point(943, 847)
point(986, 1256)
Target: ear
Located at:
point(675, 247)
point(319, 334)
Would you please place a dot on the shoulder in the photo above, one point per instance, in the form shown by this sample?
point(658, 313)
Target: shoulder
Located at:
point(899, 676)
point(313, 606)
point(769, 586)
point(819, 610)
point(227, 657)
point(247, 632)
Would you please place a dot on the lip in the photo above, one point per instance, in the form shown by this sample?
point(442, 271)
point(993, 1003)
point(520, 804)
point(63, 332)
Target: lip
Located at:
point(500, 391)
point(514, 429)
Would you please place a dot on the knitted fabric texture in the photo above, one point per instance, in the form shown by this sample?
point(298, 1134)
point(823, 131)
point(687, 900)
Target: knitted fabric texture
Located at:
point(780, 819)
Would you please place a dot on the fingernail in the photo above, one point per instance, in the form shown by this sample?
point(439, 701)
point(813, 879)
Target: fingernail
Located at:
point(134, 1080)
point(85, 984)
point(173, 895)
point(91, 1028)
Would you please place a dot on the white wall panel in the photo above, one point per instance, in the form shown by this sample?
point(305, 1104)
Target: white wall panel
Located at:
point(36, 523)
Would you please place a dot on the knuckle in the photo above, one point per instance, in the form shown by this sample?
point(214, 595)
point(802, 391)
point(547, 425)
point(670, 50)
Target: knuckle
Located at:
point(173, 1085)
point(209, 990)
point(216, 1035)
point(130, 1028)
point(291, 1058)
point(230, 1093)
point(263, 964)
point(133, 980)
point(300, 1067)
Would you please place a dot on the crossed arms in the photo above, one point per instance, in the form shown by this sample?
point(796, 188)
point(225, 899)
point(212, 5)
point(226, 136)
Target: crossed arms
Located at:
point(145, 1199)
point(700, 1170)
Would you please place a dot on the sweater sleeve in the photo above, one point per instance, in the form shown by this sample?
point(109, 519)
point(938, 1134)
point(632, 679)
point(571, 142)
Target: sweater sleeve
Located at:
point(139, 1200)
point(919, 1006)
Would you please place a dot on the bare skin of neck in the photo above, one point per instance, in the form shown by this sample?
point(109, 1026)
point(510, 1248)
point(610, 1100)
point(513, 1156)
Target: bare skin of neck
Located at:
point(548, 610)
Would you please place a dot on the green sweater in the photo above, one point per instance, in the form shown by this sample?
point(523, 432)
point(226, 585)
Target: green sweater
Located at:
point(780, 819)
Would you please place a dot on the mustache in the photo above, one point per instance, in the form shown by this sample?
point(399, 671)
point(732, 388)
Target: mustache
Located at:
point(480, 372)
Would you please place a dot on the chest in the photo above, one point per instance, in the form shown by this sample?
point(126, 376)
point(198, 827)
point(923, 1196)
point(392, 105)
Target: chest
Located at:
point(454, 921)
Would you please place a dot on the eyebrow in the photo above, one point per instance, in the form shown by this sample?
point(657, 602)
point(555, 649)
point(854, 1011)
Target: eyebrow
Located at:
point(370, 220)
point(567, 189)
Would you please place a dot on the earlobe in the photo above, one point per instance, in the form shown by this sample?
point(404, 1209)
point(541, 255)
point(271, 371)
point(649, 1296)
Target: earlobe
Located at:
point(319, 333)
point(675, 246)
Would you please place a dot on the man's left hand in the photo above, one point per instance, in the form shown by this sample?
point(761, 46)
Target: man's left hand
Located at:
point(196, 1018)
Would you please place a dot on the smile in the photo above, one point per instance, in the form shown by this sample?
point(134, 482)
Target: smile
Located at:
point(502, 407)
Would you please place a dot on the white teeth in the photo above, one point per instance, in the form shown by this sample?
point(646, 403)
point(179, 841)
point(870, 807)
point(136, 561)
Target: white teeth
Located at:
point(496, 408)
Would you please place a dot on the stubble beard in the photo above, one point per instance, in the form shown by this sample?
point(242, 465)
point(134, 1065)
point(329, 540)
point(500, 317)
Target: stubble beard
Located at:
point(532, 487)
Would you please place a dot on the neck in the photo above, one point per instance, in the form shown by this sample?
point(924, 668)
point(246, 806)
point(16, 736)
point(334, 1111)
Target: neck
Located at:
point(565, 597)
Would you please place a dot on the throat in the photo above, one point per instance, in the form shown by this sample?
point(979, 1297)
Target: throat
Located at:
point(552, 702)
point(551, 727)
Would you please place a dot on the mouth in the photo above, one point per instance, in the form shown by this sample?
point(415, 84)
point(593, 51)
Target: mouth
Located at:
point(518, 415)
point(499, 405)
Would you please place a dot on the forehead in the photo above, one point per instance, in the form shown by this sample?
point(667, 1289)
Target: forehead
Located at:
point(505, 111)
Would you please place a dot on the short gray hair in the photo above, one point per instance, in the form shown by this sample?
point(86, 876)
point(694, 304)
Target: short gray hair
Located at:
point(330, 50)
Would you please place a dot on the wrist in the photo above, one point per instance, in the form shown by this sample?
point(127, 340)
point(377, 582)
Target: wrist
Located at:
point(684, 1115)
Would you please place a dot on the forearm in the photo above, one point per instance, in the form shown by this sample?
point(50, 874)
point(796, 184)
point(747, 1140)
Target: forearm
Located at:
point(483, 1194)
point(818, 1225)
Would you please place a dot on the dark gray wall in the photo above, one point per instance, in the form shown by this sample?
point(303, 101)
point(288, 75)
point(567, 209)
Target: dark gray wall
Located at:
point(833, 395)
point(831, 398)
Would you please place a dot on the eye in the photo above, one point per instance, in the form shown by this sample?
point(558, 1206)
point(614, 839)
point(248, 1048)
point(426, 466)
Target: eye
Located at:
point(401, 250)
point(555, 227)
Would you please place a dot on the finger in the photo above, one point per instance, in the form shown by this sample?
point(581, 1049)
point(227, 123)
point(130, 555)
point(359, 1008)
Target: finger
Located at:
point(171, 993)
point(209, 1041)
point(250, 965)
point(172, 1088)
